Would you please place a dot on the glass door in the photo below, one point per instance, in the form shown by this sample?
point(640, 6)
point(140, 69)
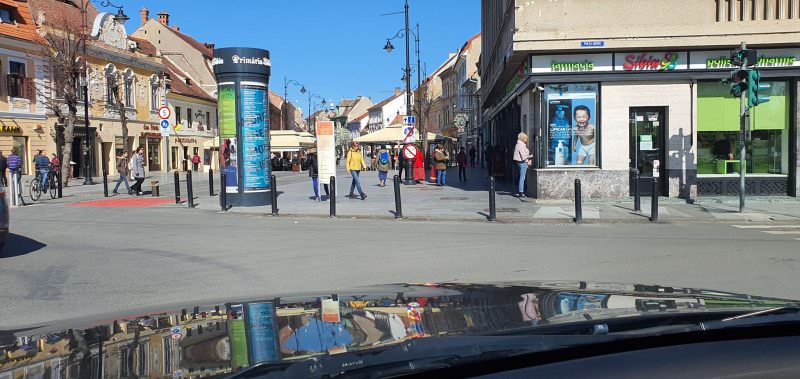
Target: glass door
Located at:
point(154, 154)
point(647, 152)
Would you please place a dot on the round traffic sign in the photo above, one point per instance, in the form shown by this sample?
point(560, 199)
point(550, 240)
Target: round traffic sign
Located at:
point(164, 124)
point(176, 336)
point(410, 151)
point(164, 112)
point(176, 330)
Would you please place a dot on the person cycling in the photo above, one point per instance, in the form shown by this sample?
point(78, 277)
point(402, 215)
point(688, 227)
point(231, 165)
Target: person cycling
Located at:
point(42, 163)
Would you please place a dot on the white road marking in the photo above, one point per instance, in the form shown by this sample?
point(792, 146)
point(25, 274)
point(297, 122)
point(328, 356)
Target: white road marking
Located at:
point(767, 226)
point(782, 231)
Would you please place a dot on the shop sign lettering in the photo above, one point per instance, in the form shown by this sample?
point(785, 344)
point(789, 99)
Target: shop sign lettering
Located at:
point(585, 65)
point(763, 61)
point(649, 62)
point(10, 129)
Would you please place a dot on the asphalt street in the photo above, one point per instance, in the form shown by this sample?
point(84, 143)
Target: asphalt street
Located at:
point(63, 262)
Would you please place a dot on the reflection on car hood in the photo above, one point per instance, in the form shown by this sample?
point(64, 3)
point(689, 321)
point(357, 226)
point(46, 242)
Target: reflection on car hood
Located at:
point(202, 340)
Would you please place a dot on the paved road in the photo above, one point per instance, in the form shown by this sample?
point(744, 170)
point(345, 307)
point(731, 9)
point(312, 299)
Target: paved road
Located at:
point(63, 262)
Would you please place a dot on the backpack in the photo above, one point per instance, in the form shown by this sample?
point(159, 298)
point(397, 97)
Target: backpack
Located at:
point(384, 157)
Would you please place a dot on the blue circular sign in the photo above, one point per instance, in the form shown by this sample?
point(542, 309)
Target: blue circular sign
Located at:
point(165, 124)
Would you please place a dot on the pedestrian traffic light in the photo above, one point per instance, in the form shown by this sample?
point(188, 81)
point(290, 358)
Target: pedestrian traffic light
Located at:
point(757, 92)
point(739, 82)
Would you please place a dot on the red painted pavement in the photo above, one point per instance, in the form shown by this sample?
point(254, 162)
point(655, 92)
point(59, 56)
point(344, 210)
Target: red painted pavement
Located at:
point(124, 202)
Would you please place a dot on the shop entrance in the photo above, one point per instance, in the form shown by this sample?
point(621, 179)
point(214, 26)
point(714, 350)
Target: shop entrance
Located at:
point(154, 154)
point(647, 152)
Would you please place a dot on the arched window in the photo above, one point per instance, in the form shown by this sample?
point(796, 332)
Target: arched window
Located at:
point(155, 99)
point(129, 79)
point(111, 84)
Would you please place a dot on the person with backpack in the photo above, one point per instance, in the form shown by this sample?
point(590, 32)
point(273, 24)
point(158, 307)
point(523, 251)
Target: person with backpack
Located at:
point(313, 172)
point(195, 161)
point(123, 171)
point(461, 159)
point(440, 158)
point(383, 166)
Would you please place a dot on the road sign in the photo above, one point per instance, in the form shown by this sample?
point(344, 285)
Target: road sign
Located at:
point(410, 151)
point(410, 120)
point(165, 127)
point(408, 134)
point(176, 336)
point(164, 112)
point(175, 330)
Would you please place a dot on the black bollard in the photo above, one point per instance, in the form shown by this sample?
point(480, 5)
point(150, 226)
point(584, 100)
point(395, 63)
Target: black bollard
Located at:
point(189, 189)
point(398, 206)
point(492, 204)
point(274, 193)
point(332, 197)
point(223, 198)
point(637, 198)
point(654, 201)
point(210, 182)
point(105, 183)
point(578, 205)
point(177, 188)
point(60, 184)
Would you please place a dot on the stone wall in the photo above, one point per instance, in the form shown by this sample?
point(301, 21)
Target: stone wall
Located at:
point(595, 184)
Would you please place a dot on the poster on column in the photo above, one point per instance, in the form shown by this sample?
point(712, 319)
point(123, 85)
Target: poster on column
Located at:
point(228, 153)
point(572, 127)
point(227, 131)
point(326, 151)
point(255, 144)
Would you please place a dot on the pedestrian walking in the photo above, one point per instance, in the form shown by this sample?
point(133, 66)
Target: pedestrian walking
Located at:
point(522, 158)
point(472, 154)
point(440, 158)
point(313, 171)
point(383, 166)
point(137, 166)
point(14, 163)
point(355, 163)
point(3, 167)
point(419, 167)
point(123, 171)
point(461, 160)
point(56, 166)
point(195, 161)
point(401, 163)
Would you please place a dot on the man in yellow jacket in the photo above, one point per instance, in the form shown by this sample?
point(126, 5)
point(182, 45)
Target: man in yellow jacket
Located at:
point(355, 163)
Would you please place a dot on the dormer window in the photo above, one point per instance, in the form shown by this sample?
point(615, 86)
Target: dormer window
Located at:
point(188, 81)
point(5, 16)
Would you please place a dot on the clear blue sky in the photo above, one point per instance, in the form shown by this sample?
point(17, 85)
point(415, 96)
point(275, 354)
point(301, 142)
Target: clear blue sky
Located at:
point(333, 47)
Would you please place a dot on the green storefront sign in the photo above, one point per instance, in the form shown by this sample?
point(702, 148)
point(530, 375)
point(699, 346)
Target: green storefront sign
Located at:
point(763, 61)
point(585, 65)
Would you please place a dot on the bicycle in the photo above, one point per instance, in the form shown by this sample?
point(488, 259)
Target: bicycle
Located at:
point(36, 185)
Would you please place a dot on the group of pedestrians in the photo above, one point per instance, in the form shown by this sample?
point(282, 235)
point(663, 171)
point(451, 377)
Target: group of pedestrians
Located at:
point(126, 167)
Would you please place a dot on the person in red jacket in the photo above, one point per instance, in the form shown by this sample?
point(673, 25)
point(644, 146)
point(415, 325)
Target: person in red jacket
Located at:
point(419, 166)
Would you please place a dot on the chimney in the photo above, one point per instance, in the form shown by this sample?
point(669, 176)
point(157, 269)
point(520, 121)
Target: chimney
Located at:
point(398, 91)
point(145, 13)
point(163, 17)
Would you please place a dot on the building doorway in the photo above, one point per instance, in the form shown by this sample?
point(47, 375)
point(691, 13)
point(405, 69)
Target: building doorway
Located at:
point(647, 148)
point(154, 154)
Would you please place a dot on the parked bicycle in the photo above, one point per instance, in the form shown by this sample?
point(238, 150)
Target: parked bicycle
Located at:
point(37, 187)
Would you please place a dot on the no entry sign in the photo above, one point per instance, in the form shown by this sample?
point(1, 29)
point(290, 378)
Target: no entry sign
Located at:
point(410, 151)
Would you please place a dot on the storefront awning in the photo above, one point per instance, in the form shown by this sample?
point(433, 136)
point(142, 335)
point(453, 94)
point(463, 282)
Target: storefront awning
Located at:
point(290, 140)
point(393, 134)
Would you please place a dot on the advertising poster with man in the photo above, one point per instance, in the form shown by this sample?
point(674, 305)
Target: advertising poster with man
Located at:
point(572, 126)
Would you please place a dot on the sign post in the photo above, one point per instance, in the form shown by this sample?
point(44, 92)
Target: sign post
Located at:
point(164, 113)
point(409, 149)
point(326, 152)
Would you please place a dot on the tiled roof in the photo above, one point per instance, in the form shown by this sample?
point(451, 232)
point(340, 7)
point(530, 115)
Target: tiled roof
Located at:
point(144, 46)
point(58, 11)
point(387, 101)
point(398, 120)
point(275, 99)
point(347, 102)
point(24, 27)
point(359, 118)
point(197, 45)
point(179, 85)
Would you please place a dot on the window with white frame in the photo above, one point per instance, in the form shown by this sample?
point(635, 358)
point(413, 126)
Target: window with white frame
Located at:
point(155, 101)
point(16, 79)
point(129, 80)
point(111, 84)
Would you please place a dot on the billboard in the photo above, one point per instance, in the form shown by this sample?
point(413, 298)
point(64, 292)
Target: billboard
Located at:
point(572, 127)
point(255, 137)
point(326, 151)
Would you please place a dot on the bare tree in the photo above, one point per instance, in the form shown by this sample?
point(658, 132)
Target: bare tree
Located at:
point(63, 66)
point(118, 91)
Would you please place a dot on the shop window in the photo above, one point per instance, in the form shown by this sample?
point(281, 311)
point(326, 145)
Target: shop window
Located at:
point(718, 132)
point(572, 130)
point(16, 79)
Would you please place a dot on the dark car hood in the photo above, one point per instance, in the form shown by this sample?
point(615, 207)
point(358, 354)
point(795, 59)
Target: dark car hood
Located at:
point(222, 337)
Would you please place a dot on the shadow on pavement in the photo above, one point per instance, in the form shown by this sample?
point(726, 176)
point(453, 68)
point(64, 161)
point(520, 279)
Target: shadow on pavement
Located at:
point(17, 245)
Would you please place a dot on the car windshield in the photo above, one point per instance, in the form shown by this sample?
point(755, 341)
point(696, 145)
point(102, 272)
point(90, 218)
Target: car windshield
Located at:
point(193, 189)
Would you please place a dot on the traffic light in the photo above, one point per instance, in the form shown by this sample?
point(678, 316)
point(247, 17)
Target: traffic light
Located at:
point(757, 92)
point(739, 79)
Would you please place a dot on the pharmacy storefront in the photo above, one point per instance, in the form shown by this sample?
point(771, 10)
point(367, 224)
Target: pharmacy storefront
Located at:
point(606, 117)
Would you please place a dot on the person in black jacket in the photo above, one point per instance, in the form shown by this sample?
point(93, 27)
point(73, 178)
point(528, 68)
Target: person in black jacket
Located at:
point(3, 167)
point(313, 172)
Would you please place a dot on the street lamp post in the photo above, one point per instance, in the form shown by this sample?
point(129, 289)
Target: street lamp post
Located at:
point(119, 17)
point(404, 33)
point(286, 83)
point(312, 96)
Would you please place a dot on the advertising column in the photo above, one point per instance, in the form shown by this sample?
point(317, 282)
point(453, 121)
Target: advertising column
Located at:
point(243, 80)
